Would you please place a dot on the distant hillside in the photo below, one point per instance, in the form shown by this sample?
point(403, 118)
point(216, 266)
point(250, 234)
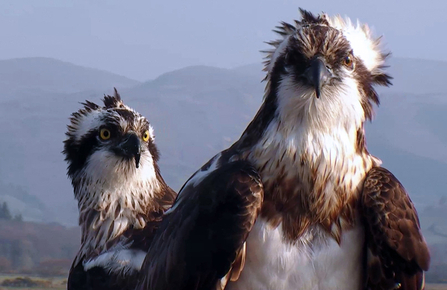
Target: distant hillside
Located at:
point(24, 245)
point(198, 111)
point(38, 75)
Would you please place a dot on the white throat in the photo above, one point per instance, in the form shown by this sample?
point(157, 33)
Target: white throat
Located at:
point(338, 106)
point(325, 127)
point(312, 143)
point(114, 195)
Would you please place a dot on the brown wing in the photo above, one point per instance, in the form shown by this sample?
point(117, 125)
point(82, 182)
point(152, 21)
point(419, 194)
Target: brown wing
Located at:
point(200, 243)
point(397, 253)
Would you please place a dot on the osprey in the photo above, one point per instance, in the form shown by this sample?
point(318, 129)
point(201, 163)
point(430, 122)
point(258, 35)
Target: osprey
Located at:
point(298, 202)
point(112, 163)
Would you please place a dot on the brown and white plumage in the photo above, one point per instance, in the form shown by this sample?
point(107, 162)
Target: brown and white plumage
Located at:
point(331, 217)
point(112, 163)
point(395, 246)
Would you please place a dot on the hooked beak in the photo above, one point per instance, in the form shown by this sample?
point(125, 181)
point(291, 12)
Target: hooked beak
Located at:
point(317, 75)
point(130, 148)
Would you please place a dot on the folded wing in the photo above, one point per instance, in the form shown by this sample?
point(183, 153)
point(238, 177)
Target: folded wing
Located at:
point(397, 253)
point(201, 241)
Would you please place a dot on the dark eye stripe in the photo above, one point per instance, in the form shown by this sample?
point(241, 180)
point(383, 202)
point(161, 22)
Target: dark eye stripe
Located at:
point(77, 153)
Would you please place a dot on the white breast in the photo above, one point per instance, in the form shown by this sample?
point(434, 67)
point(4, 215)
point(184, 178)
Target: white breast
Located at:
point(315, 261)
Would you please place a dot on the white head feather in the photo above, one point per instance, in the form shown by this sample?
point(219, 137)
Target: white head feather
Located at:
point(364, 45)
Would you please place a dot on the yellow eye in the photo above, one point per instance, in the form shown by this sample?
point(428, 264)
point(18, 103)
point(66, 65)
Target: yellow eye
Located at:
point(146, 136)
point(348, 62)
point(104, 134)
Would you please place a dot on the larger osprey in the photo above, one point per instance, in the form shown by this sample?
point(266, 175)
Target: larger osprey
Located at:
point(327, 215)
point(112, 162)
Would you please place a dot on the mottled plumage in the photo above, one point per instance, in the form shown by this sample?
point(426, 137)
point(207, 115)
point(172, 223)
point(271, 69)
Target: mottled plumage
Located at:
point(396, 249)
point(112, 163)
point(327, 216)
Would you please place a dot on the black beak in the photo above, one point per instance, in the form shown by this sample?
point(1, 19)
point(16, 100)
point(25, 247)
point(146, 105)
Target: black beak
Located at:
point(130, 147)
point(317, 75)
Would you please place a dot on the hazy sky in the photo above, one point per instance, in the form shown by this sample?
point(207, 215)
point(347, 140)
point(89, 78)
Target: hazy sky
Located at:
point(144, 38)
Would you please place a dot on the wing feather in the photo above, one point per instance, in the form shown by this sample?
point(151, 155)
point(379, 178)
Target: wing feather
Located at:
point(200, 243)
point(238, 264)
point(397, 253)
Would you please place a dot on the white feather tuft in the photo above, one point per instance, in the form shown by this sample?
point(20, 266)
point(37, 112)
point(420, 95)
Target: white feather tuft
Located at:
point(85, 123)
point(276, 53)
point(123, 261)
point(151, 132)
point(201, 174)
point(364, 45)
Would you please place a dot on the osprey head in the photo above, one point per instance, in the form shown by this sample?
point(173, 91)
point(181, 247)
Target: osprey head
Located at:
point(110, 141)
point(325, 66)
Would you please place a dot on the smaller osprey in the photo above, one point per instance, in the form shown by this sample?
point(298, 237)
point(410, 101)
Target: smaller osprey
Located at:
point(112, 163)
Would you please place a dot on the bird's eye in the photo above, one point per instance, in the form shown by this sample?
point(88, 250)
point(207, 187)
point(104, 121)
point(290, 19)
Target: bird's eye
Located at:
point(104, 134)
point(348, 62)
point(146, 136)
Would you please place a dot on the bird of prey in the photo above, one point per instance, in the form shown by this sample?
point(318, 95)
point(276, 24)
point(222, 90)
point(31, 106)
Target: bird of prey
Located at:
point(112, 163)
point(298, 202)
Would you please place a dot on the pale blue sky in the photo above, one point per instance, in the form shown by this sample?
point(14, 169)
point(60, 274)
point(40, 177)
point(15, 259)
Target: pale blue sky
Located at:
point(142, 38)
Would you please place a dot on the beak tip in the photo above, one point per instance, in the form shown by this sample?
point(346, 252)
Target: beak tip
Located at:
point(137, 160)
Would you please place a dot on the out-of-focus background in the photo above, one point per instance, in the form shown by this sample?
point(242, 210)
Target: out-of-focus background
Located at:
point(193, 68)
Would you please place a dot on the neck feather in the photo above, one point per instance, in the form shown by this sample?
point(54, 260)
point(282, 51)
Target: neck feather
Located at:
point(312, 163)
point(110, 207)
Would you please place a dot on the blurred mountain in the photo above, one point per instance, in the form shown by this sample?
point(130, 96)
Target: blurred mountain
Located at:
point(417, 76)
point(36, 76)
point(196, 112)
